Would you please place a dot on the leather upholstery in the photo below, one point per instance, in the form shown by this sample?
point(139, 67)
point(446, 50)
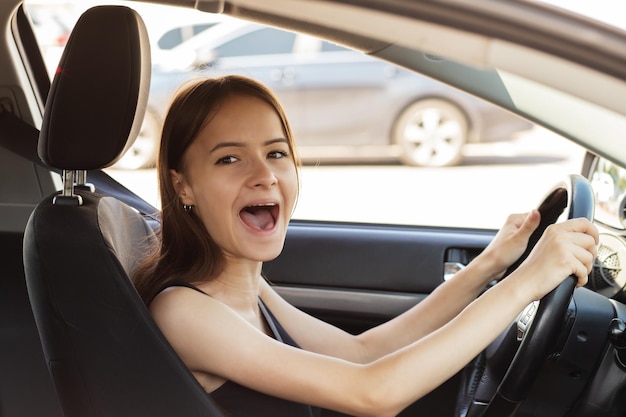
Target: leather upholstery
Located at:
point(99, 92)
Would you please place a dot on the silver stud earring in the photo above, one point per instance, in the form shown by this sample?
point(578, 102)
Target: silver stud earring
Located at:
point(187, 208)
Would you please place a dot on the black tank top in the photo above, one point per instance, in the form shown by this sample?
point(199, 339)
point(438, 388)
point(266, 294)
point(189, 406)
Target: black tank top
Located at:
point(238, 401)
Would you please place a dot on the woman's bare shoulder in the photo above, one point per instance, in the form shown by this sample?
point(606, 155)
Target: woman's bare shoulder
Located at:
point(203, 331)
point(181, 300)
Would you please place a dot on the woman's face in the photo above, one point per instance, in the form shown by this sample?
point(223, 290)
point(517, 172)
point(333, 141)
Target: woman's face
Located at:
point(240, 177)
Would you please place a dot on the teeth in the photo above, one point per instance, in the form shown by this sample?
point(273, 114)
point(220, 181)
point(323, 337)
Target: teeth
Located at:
point(265, 205)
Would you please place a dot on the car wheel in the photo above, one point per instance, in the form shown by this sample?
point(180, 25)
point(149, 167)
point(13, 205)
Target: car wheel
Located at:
point(143, 152)
point(431, 133)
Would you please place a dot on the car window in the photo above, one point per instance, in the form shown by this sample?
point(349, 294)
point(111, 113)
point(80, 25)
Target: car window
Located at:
point(331, 47)
point(379, 144)
point(259, 42)
point(178, 35)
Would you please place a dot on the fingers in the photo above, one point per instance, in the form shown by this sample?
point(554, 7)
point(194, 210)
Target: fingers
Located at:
point(518, 219)
point(585, 252)
point(583, 225)
point(510, 242)
point(531, 221)
point(521, 225)
point(577, 240)
point(583, 267)
point(564, 249)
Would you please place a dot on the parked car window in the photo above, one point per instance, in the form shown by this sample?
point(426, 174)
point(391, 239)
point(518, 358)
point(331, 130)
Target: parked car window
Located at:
point(331, 47)
point(362, 124)
point(176, 36)
point(260, 42)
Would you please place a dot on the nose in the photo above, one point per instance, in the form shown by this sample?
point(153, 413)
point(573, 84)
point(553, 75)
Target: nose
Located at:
point(262, 174)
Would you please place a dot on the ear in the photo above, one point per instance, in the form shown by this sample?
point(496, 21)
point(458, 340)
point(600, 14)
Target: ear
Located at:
point(182, 188)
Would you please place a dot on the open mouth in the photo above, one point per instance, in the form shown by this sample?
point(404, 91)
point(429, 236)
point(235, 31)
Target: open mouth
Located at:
point(260, 216)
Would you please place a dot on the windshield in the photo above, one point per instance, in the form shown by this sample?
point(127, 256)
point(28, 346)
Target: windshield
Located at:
point(377, 140)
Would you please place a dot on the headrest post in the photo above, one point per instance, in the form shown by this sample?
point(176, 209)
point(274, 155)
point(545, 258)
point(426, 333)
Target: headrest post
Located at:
point(67, 196)
point(81, 182)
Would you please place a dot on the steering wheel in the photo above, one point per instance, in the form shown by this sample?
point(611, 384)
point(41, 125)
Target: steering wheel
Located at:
point(572, 198)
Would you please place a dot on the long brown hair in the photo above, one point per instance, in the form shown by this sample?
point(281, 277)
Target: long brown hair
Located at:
point(186, 252)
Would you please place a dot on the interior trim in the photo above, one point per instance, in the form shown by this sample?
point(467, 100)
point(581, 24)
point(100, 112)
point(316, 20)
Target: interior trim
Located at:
point(350, 301)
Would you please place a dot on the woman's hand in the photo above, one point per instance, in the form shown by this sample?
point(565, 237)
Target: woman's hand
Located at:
point(510, 242)
point(565, 249)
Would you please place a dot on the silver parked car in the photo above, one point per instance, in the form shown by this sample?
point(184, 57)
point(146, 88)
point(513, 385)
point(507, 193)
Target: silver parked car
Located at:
point(343, 104)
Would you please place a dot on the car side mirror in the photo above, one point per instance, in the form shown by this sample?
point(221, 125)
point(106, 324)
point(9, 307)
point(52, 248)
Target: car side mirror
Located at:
point(608, 181)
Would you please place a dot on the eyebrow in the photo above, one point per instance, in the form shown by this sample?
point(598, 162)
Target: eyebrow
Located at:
point(243, 144)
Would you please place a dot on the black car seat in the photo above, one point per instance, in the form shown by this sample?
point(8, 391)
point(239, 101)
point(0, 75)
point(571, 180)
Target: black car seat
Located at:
point(104, 352)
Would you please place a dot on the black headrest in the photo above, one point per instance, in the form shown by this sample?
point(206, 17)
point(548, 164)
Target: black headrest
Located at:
point(99, 93)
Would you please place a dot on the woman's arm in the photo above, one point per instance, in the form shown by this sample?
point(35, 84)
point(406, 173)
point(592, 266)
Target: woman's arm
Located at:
point(211, 338)
point(443, 304)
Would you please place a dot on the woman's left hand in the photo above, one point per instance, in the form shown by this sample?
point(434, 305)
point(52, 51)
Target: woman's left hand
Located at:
point(510, 242)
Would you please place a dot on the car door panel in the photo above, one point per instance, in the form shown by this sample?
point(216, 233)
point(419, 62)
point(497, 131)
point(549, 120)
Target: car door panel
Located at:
point(366, 274)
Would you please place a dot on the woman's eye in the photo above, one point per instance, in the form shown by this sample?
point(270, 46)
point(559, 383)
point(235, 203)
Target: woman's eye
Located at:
point(278, 154)
point(226, 160)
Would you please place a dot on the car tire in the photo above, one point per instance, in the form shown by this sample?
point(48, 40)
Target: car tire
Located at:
point(431, 133)
point(143, 152)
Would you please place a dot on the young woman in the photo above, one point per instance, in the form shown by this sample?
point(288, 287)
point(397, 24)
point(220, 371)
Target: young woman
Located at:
point(228, 178)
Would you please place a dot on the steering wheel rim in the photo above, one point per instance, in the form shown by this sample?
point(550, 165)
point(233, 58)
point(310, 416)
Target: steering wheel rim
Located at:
point(576, 195)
